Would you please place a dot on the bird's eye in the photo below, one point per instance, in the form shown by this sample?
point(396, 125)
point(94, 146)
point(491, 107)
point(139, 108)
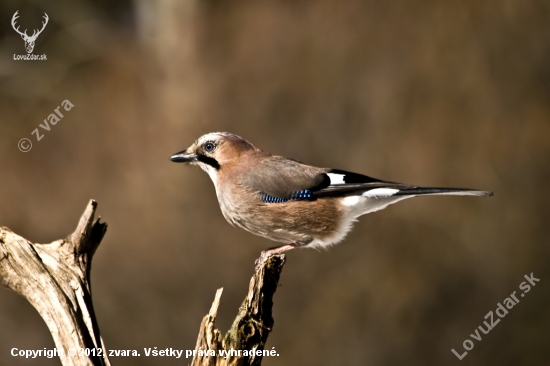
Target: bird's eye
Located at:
point(209, 146)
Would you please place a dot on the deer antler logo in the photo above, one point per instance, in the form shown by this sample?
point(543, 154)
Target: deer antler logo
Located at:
point(29, 41)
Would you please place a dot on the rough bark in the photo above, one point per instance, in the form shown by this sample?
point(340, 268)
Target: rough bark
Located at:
point(250, 328)
point(55, 279)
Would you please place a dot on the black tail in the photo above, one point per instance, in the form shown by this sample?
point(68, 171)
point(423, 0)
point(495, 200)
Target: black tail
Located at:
point(442, 191)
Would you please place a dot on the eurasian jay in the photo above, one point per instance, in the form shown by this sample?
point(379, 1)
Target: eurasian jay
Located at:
point(288, 201)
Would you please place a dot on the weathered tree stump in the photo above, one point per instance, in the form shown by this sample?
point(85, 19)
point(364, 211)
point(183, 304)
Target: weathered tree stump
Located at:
point(55, 279)
point(250, 328)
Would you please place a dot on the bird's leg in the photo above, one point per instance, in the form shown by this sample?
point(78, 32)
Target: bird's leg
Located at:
point(274, 251)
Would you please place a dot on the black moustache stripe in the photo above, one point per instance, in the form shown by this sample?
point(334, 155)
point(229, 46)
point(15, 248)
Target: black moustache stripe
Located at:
point(208, 160)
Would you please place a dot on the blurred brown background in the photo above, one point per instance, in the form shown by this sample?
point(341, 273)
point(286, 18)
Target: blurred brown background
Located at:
point(440, 93)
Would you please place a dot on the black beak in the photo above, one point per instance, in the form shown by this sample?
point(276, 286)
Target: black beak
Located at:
point(182, 157)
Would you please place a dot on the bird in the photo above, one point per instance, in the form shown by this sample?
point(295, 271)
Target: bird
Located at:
point(290, 202)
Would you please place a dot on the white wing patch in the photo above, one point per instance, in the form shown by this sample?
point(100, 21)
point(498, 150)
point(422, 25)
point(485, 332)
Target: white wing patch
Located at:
point(380, 192)
point(336, 178)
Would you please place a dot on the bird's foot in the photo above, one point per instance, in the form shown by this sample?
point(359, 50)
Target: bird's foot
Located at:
point(264, 256)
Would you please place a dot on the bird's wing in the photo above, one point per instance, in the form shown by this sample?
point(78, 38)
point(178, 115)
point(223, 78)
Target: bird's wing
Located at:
point(278, 179)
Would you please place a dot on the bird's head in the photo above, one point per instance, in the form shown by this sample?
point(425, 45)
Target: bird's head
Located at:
point(213, 151)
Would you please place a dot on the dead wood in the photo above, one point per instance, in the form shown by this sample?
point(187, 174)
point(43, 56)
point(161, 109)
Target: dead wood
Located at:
point(55, 279)
point(250, 328)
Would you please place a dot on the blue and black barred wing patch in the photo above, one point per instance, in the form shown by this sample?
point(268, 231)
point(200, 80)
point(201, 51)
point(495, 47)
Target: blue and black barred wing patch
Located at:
point(304, 194)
